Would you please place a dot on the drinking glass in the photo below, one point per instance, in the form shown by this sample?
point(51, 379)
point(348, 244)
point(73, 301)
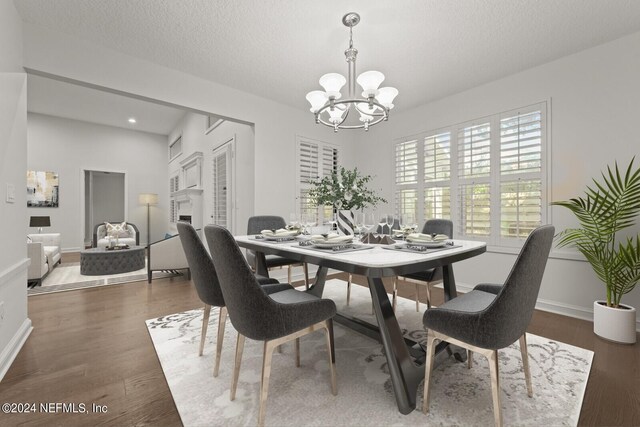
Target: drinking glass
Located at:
point(382, 221)
point(310, 221)
point(360, 223)
point(389, 220)
point(369, 222)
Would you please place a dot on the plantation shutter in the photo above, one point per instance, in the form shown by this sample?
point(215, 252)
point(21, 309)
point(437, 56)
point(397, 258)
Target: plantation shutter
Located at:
point(407, 171)
point(437, 176)
point(521, 195)
point(221, 183)
point(474, 169)
point(316, 160)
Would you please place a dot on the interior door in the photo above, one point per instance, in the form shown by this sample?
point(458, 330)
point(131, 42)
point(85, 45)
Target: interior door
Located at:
point(222, 181)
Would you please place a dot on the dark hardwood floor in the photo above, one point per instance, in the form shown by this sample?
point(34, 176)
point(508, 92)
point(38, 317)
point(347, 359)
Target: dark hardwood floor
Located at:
point(92, 346)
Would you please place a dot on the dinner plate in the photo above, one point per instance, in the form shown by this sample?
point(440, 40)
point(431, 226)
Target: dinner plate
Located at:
point(279, 238)
point(428, 244)
point(329, 245)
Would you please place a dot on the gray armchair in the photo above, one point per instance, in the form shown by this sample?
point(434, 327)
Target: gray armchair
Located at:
point(271, 222)
point(205, 279)
point(492, 317)
point(274, 319)
point(433, 275)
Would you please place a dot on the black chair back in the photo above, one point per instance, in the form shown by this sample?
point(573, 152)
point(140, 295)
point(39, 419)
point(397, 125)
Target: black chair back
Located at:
point(203, 272)
point(438, 226)
point(262, 222)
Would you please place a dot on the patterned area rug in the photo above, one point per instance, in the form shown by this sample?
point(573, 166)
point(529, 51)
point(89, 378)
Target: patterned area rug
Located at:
point(302, 396)
point(67, 277)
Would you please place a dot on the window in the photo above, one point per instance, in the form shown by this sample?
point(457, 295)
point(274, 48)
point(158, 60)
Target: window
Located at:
point(488, 176)
point(316, 159)
point(175, 148)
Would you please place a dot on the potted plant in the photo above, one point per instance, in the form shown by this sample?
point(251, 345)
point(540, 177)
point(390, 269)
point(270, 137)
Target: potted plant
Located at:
point(607, 209)
point(345, 190)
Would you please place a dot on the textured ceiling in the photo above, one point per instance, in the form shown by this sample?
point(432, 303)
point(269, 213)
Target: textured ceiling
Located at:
point(55, 98)
point(278, 49)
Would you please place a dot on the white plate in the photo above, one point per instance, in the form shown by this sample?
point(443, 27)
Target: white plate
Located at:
point(329, 245)
point(428, 244)
point(279, 238)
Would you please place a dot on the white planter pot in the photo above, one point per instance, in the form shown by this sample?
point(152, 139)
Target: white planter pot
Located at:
point(614, 324)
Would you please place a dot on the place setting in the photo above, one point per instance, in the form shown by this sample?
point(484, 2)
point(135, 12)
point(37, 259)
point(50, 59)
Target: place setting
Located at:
point(332, 242)
point(423, 243)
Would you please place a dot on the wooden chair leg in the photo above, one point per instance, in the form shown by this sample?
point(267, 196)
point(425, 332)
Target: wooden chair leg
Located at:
point(428, 367)
point(305, 267)
point(495, 387)
point(349, 288)
point(264, 384)
point(297, 352)
point(205, 323)
point(428, 295)
point(417, 298)
point(469, 359)
point(236, 368)
point(525, 363)
point(289, 268)
point(332, 356)
point(222, 320)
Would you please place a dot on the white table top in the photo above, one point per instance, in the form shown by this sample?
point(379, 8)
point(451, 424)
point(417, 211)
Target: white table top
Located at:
point(370, 258)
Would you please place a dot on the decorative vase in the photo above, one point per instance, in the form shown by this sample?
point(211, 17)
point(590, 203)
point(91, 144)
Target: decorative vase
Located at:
point(346, 221)
point(614, 324)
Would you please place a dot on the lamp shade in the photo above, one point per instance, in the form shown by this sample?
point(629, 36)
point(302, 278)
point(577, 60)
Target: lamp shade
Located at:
point(336, 114)
point(148, 198)
point(369, 81)
point(317, 99)
point(39, 221)
point(332, 83)
point(386, 95)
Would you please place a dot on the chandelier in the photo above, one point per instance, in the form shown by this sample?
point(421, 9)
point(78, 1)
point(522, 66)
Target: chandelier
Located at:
point(331, 110)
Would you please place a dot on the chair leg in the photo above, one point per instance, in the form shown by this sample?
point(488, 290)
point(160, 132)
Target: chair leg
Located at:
point(205, 323)
point(495, 387)
point(428, 367)
point(236, 368)
point(525, 363)
point(264, 384)
point(332, 356)
point(222, 320)
point(428, 295)
point(469, 359)
point(289, 273)
point(417, 298)
point(297, 352)
point(349, 288)
point(305, 267)
point(395, 292)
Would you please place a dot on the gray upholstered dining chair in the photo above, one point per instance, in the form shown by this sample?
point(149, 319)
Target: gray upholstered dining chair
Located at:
point(491, 317)
point(433, 275)
point(205, 279)
point(272, 222)
point(274, 319)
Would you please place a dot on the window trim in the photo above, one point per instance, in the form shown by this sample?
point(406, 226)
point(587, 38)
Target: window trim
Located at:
point(175, 141)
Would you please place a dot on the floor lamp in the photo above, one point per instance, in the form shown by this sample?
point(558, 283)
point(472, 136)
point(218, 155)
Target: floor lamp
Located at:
point(148, 199)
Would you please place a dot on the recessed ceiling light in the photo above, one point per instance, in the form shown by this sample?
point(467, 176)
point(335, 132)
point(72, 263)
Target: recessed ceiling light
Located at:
point(132, 120)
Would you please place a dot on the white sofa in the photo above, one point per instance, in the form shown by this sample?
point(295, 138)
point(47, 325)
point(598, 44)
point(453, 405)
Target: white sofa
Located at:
point(101, 240)
point(45, 253)
point(167, 255)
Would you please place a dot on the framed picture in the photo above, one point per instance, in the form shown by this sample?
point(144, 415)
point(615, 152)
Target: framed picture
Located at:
point(42, 189)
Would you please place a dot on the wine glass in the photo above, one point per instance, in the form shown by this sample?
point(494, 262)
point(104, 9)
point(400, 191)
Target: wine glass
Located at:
point(389, 220)
point(382, 221)
point(294, 221)
point(310, 221)
point(360, 223)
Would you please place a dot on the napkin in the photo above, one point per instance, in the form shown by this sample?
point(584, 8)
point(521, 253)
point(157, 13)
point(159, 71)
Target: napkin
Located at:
point(281, 232)
point(331, 238)
point(426, 238)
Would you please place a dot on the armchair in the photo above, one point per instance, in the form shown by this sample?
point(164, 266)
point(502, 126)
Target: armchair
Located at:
point(44, 252)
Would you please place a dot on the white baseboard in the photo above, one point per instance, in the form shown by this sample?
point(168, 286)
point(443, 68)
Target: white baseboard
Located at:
point(67, 250)
point(10, 352)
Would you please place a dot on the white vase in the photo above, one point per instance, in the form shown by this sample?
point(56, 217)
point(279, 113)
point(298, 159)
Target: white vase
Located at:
point(346, 221)
point(614, 324)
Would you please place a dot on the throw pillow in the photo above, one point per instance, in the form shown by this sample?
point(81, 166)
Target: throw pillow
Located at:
point(117, 230)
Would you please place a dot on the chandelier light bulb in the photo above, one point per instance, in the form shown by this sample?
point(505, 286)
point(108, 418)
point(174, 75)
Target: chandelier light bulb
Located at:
point(386, 95)
point(332, 83)
point(365, 118)
point(317, 99)
point(369, 81)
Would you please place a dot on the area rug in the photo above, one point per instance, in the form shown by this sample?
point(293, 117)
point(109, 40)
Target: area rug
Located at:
point(67, 277)
point(302, 396)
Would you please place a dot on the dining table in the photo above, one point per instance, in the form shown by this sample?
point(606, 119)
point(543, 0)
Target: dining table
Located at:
point(374, 261)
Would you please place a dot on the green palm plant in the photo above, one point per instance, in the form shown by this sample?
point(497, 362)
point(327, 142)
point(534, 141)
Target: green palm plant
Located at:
point(608, 208)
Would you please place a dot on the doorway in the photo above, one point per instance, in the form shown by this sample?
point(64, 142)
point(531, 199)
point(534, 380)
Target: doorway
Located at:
point(104, 200)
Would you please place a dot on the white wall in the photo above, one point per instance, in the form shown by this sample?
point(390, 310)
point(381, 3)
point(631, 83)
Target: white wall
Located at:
point(15, 326)
point(69, 146)
point(595, 101)
point(275, 124)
